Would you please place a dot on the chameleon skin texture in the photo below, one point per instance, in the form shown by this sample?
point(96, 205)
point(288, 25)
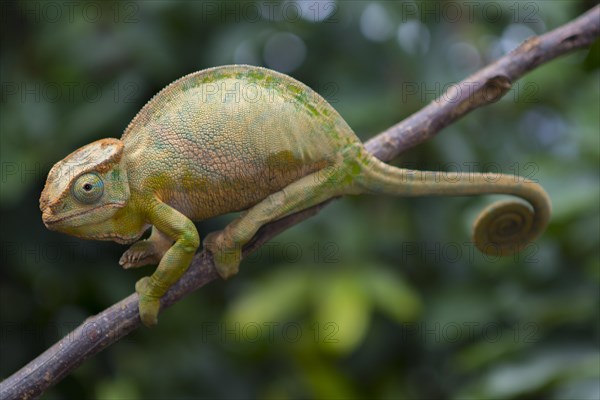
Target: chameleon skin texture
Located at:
point(247, 138)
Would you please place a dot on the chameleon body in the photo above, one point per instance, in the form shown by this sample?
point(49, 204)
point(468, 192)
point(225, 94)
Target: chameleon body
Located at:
point(247, 138)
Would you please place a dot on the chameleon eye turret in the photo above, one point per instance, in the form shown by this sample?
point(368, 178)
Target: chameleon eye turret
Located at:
point(88, 188)
point(198, 149)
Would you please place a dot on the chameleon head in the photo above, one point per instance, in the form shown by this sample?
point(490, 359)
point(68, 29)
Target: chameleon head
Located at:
point(85, 191)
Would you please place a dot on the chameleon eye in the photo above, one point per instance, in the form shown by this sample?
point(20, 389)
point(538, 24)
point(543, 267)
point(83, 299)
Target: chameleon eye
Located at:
point(88, 188)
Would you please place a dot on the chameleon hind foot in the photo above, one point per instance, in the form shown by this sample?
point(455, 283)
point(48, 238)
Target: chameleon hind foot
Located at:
point(226, 255)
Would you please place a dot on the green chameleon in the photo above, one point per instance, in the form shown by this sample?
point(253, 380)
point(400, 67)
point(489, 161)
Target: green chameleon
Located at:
point(247, 138)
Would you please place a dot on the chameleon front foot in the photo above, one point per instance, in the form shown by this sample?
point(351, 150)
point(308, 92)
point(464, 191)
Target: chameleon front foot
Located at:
point(226, 255)
point(149, 305)
point(139, 254)
point(146, 252)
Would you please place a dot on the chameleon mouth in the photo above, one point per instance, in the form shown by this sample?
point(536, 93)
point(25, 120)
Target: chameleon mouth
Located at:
point(51, 221)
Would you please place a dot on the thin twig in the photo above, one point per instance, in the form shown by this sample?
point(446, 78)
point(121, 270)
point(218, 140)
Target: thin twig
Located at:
point(482, 88)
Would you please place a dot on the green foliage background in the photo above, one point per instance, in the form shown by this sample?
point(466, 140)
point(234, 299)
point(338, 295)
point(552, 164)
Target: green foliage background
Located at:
point(374, 298)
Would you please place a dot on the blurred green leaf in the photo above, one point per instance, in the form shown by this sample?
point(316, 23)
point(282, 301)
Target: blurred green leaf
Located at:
point(391, 294)
point(345, 303)
point(486, 352)
point(325, 379)
point(545, 369)
point(276, 297)
point(119, 389)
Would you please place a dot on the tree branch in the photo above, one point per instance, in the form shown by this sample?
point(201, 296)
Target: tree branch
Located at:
point(482, 88)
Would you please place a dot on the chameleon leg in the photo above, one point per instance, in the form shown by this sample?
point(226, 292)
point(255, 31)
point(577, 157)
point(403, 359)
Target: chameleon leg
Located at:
point(226, 245)
point(173, 264)
point(146, 252)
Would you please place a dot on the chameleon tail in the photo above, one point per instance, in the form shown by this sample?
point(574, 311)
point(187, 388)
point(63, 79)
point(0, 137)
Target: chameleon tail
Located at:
point(503, 228)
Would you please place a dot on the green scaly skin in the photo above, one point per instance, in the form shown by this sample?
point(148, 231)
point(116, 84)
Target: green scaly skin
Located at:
point(243, 138)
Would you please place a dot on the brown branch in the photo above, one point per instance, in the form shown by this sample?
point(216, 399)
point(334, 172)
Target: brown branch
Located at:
point(482, 88)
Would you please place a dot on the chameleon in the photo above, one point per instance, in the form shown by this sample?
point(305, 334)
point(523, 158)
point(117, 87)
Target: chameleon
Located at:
point(244, 138)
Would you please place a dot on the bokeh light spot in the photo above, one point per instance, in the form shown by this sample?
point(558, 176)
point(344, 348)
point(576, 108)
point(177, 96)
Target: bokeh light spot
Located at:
point(284, 52)
point(413, 37)
point(375, 23)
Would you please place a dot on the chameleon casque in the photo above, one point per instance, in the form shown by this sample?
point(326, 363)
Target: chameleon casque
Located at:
point(235, 138)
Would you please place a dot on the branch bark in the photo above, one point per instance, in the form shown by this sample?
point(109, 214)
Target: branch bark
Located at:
point(484, 87)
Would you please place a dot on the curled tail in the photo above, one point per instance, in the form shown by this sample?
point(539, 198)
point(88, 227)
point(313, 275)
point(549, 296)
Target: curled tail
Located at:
point(502, 228)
